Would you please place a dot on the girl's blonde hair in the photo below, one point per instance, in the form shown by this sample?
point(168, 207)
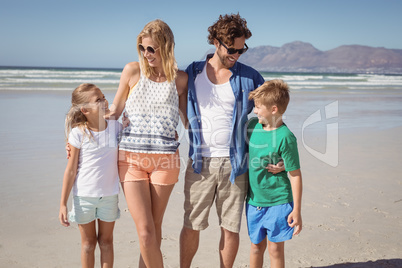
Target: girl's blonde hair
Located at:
point(162, 35)
point(75, 118)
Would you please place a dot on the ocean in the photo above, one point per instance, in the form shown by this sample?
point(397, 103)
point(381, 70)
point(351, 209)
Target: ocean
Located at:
point(348, 132)
point(25, 78)
point(352, 101)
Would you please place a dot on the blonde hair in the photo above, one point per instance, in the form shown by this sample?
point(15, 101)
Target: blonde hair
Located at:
point(162, 35)
point(75, 118)
point(273, 92)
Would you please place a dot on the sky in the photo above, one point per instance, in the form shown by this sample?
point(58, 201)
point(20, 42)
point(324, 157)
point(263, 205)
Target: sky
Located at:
point(102, 33)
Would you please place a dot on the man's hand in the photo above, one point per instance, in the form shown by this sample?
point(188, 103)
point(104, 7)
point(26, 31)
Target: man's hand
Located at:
point(274, 169)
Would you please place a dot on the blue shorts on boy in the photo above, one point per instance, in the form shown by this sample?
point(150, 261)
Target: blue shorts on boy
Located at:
point(88, 209)
point(269, 222)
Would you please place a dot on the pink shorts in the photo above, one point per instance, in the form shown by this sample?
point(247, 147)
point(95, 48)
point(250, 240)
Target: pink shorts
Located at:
point(162, 169)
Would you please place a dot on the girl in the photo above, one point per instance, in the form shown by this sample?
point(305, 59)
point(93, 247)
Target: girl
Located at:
point(92, 174)
point(152, 91)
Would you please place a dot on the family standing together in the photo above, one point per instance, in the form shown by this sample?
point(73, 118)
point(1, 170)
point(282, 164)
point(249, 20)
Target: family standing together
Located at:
point(232, 160)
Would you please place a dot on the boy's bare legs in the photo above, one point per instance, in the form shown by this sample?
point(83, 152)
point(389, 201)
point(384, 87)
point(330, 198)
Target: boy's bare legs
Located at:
point(228, 247)
point(189, 240)
point(257, 254)
point(88, 244)
point(277, 254)
point(105, 240)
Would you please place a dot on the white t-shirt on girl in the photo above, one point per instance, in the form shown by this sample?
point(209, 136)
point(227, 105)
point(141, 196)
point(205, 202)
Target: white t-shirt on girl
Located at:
point(97, 174)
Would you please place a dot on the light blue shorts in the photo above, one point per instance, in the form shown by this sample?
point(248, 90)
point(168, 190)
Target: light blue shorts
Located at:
point(88, 209)
point(269, 222)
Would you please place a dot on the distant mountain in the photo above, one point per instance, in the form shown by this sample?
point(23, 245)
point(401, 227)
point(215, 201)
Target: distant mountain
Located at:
point(304, 57)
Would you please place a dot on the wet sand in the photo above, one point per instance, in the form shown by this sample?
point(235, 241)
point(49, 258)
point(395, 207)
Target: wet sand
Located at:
point(352, 212)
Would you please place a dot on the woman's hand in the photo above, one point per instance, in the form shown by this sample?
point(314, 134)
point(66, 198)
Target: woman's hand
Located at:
point(68, 150)
point(111, 113)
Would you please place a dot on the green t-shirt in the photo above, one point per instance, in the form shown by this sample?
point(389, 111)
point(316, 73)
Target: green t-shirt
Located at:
point(269, 147)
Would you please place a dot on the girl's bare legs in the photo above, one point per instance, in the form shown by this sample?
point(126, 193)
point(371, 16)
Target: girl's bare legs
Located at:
point(147, 204)
point(105, 240)
point(88, 244)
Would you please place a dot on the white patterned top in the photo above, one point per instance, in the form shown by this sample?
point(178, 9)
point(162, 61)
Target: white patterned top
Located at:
point(153, 111)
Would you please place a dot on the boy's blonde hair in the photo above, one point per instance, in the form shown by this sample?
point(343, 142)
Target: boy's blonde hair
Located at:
point(162, 35)
point(273, 92)
point(75, 118)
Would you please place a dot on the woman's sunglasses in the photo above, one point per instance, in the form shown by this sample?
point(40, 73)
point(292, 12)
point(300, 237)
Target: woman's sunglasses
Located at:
point(149, 49)
point(232, 51)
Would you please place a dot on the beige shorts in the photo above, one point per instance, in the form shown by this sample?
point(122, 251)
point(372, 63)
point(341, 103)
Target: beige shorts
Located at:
point(162, 169)
point(200, 190)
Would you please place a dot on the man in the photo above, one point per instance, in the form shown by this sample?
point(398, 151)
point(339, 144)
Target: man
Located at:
point(217, 110)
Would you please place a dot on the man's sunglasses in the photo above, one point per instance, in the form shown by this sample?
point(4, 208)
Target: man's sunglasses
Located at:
point(232, 51)
point(149, 49)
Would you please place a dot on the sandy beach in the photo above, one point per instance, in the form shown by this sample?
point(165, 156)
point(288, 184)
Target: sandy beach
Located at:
point(352, 210)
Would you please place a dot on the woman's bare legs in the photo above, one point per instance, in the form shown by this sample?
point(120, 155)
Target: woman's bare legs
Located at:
point(147, 204)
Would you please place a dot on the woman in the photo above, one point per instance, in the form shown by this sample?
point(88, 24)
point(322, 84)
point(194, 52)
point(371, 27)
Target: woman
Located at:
point(152, 91)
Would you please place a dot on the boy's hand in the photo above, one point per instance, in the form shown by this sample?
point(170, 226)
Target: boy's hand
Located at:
point(68, 150)
point(63, 216)
point(274, 169)
point(295, 220)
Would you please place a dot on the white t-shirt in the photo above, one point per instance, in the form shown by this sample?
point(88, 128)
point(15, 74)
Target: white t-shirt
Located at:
point(97, 173)
point(216, 104)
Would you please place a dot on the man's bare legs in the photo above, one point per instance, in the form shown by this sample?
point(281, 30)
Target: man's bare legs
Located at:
point(189, 241)
point(228, 247)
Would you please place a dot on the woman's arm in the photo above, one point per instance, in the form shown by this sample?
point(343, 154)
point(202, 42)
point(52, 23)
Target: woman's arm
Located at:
point(68, 181)
point(129, 77)
point(182, 90)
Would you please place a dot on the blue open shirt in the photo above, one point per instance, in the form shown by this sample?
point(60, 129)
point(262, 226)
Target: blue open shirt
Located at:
point(244, 79)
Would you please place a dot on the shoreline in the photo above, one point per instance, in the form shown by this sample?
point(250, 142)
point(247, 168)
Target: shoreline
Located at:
point(351, 212)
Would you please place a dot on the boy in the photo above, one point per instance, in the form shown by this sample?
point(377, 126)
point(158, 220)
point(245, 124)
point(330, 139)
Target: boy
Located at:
point(273, 206)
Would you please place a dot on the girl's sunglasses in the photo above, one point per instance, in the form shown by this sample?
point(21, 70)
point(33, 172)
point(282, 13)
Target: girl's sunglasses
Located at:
point(232, 51)
point(149, 49)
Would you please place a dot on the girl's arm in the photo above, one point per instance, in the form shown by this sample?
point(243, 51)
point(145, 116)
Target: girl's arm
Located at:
point(182, 89)
point(129, 77)
point(295, 219)
point(68, 181)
